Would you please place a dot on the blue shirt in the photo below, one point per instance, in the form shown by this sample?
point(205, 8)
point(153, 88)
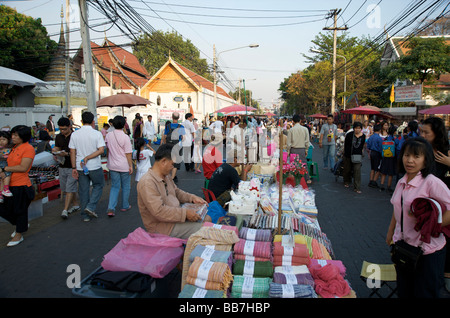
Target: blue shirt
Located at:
point(374, 143)
point(180, 131)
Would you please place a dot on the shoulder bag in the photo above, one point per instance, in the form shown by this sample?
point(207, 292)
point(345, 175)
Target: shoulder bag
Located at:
point(403, 255)
point(356, 158)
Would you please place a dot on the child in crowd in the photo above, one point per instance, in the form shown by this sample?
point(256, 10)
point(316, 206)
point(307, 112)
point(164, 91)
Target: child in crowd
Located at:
point(388, 164)
point(374, 146)
point(142, 156)
point(5, 149)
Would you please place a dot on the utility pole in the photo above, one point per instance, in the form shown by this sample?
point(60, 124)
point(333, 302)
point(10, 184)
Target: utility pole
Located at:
point(334, 13)
point(67, 77)
point(87, 57)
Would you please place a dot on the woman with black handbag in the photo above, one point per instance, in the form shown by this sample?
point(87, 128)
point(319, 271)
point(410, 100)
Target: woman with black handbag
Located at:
point(419, 264)
point(353, 151)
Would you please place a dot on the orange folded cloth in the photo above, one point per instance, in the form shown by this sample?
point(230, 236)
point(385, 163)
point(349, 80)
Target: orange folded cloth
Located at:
point(209, 275)
point(300, 250)
point(279, 260)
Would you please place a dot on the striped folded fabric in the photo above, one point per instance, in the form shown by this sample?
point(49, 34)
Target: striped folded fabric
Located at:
point(291, 291)
point(191, 291)
point(250, 287)
point(300, 239)
point(253, 248)
point(300, 250)
point(251, 268)
point(212, 255)
point(222, 227)
point(209, 275)
point(295, 279)
point(255, 234)
point(302, 269)
point(323, 262)
point(222, 240)
point(244, 257)
point(281, 260)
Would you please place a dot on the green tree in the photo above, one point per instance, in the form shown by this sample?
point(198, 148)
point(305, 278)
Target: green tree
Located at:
point(426, 60)
point(358, 70)
point(24, 43)
point(153, 50)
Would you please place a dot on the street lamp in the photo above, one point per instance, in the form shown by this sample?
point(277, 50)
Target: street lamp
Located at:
point(345, 71)
point(215, 58)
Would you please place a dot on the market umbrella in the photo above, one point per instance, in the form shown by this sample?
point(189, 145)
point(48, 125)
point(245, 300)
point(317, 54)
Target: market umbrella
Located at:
point(270, 114)
point(361, 110)
point(438, 110)
point(13, 77)
point(318, 116)
point(235, 108)
point(123, 100)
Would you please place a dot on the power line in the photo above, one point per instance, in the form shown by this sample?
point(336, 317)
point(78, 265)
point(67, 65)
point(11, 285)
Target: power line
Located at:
point(232, 9)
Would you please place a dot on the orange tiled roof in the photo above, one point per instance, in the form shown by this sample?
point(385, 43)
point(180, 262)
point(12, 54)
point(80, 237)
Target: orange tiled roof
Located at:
point(128, 73)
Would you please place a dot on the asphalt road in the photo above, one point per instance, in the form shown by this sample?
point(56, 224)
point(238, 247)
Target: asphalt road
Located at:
point(355, 223)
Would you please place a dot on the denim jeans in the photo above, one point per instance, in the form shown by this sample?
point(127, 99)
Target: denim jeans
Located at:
point(329, 152)
point(119, 180)
point(90, 199)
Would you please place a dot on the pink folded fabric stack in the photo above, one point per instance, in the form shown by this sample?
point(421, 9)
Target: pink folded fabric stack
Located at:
point(249, 250)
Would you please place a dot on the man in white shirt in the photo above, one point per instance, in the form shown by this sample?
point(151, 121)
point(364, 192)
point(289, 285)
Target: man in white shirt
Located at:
point(87, 144)
point(216, 126)
point(187, 141)
point(149, 129)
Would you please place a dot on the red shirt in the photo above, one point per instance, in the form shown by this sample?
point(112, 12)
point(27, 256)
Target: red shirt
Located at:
point(212, 159)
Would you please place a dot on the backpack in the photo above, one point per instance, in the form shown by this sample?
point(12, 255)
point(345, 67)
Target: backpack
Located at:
point(388, 148)
point(169, 139)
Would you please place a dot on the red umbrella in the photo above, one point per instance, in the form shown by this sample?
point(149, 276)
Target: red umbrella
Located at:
point(361, 110)
point(123, 100)
point(438, 110)
point(318, 116)
point(235, 108)
point(270, 114)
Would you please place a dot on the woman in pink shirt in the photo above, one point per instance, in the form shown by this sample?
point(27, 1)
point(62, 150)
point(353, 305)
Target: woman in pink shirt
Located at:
point(119, 164)
point(417, 162)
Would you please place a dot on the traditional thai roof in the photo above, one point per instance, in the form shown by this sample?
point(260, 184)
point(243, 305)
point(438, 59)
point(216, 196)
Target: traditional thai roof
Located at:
point(123, 67)
point(116, 66)
point(195, 79)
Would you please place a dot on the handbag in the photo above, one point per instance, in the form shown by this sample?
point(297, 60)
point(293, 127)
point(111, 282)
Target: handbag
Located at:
point(403, 255)
point(356, 158)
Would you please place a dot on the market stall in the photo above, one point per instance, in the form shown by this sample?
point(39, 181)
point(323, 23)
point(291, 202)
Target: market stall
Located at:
point(281, 250)
point(275, 248)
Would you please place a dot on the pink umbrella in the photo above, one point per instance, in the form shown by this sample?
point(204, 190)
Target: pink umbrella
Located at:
point(361, 110)
point(235, 108)
point(270, 114)
point(438, 110)
point(318, 116)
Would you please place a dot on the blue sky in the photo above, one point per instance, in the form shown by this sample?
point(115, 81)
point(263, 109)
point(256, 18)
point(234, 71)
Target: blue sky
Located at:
point(282, 29)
